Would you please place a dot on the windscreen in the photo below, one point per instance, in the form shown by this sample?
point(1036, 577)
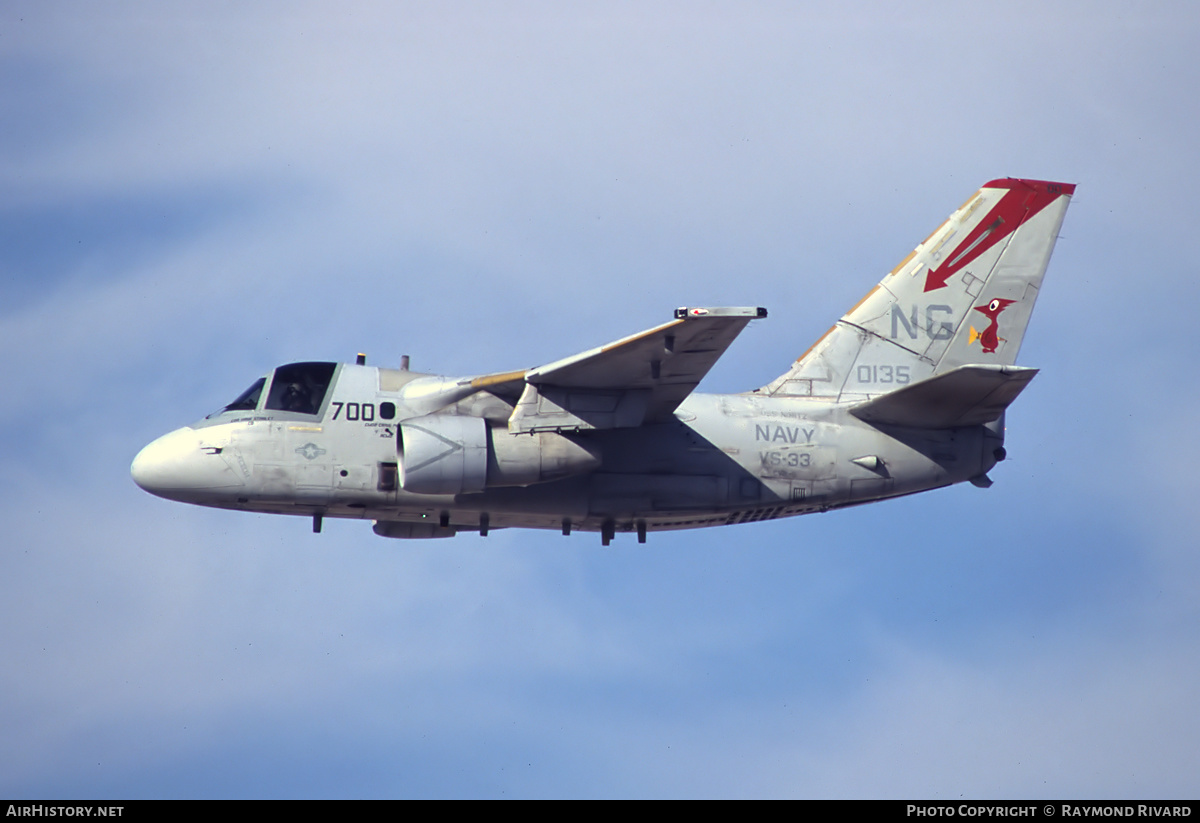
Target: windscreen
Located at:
point(246, 401)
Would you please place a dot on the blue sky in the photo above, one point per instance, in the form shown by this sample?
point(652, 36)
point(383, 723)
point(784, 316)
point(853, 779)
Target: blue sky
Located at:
point(194, 194)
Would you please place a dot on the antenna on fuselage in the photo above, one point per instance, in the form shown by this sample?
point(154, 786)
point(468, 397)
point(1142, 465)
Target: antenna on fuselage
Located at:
point(404, 362)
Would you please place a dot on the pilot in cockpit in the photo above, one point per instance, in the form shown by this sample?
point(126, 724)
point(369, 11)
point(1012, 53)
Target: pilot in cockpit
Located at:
point(298, 399)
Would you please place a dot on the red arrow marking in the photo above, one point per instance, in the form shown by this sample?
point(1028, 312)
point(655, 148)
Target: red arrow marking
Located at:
point(1023, 199)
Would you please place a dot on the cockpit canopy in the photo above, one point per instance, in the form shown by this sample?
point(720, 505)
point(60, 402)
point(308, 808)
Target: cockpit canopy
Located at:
point(299, 388)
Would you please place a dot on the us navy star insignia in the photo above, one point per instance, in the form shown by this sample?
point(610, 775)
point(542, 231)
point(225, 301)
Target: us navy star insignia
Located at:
point(310, 451)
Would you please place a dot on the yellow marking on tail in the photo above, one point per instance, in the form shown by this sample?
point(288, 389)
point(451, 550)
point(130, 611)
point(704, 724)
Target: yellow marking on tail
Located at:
point(903, 262)
point(935, 231)
point(814, 345)
point(866, 297)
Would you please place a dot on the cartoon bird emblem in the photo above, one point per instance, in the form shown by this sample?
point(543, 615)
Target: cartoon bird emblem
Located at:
point(990, 338)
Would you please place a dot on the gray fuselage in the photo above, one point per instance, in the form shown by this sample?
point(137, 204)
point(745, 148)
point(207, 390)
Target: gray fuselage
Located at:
point(721, 459)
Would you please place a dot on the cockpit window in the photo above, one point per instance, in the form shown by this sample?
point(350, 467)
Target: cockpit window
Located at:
point(300, 387)
point(246, 401)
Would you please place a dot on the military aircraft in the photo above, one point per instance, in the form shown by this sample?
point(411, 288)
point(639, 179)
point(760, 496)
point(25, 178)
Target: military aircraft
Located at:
point(906, 392)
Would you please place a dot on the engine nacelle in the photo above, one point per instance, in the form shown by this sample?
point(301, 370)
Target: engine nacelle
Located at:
point(526, 459)
point(452, 454)
point(443, 454)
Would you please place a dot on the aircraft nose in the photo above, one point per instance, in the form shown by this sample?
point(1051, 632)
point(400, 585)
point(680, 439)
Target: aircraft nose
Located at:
point(182, 466)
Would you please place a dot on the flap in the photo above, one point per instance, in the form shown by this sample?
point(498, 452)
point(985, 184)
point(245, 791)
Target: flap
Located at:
point(965, 396)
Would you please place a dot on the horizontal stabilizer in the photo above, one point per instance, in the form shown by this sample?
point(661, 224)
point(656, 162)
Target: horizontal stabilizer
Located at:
point(965, 396)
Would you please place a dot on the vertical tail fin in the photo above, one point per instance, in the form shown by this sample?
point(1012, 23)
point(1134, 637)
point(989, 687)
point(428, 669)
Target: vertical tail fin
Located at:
point(964, 296)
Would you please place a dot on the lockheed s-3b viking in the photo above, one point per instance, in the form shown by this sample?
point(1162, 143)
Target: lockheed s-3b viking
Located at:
point(906, 392)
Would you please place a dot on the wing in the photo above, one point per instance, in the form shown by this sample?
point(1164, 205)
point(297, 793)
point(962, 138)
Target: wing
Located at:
point(638, 379)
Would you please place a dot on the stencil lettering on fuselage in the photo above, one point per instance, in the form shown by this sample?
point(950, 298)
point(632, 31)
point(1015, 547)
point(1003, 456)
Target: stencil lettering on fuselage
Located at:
point(803, 462)
point(772, 433)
